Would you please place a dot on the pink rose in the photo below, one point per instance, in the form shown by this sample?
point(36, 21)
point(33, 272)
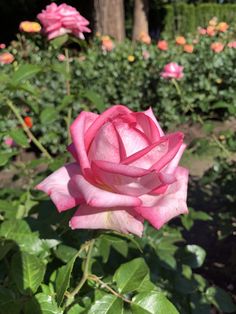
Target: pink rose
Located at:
point(63, 19)
point(146, 55)
point(9, 142)
point(173, 70)
point(232, 44)
point(61, 57)
point(125, 171)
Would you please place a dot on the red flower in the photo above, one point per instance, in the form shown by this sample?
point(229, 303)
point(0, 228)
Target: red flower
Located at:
point(28, 121)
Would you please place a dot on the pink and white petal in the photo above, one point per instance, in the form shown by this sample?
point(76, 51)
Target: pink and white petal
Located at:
point(105, 145)
point(173, 164)
point(61, 188)
point(124, 221)
point(159, 209)
point(174, 145)
point(151, 115)
point(107, 115)
point(157, 155)
point(133, 139)
point(78, 129)
point(102, 197)
point(147, 126)
point(117, 178)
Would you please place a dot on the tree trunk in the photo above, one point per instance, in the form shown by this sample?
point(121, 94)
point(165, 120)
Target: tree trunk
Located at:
point(140, 18)
point(109, 18)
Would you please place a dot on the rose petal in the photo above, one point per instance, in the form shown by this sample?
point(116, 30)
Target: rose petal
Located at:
point(121, 178)
point(173, 164)
point(125, 221)
point(147, 126)
point(133, 139)
point(160, 209)
point(61, 188)
point(109, 114)
point(159, 154)
point(101, 197)
point(78, 129)
point(105, 145)
point(151, 115)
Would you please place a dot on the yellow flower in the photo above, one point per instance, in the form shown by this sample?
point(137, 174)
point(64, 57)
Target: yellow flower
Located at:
point(30, 27)
point(131, 58)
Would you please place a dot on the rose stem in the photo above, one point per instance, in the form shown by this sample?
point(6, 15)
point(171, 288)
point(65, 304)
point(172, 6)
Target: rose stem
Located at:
point(85, 276)
point(27, 130)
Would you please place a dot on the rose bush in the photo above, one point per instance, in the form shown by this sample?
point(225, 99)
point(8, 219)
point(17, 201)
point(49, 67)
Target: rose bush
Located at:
point(126, 170)
point(61, 20)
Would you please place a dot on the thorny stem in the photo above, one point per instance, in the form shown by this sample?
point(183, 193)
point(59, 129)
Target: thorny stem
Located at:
point(68, 92)
point(71, 295)
point(27, 130)
point(106, 286)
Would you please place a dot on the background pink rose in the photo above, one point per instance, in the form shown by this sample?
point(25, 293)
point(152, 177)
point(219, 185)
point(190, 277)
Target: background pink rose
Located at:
point(172, 70)
point(63, 19)
point(125, 171)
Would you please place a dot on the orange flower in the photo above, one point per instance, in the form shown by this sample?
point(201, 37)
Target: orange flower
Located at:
point(28, 121)
point(30, 27)
point(6, 58)
point(180, 40)
point(188, 48)
point(217, 47)
point(144, 38)
point(107, 44)
point(211, 31)
point(162, 45)
point(222, 27)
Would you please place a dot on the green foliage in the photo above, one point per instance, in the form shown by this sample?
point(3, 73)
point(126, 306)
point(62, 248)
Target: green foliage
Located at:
point(183, 18)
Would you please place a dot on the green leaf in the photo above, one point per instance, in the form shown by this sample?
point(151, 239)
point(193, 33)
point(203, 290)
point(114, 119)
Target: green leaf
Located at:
point(65, 252)
point(76, 309)
point(19, 232)
point(95, 99)
point(184, 285)
point(130, 275)
point(19, 137)
point(8, 303)
point(48, 115)
point(63, 279)
point(4, 157)
point(221, 299)
point(108, 241)
point(67, 100)
point(25, 72)
point(27, 272)
point(193, 255)
point(152, 303)
point(42, 304)
point(109, 304)
point(5, 247)
point(200, 215)
point(59, 41)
